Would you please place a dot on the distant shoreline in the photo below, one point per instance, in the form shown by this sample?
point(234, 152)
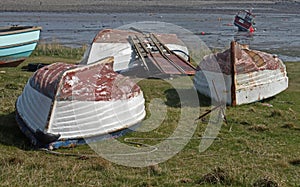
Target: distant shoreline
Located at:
point(153, 6)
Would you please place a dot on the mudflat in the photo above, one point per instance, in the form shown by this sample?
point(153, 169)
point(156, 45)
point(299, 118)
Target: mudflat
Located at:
point(151, 6)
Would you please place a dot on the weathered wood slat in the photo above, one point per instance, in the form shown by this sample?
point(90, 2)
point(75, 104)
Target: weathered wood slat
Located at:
point(151, 50)
point(140, 54)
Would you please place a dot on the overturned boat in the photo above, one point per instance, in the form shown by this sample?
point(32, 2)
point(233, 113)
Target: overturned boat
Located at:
point(139, 52)
point(248, 75)
point(62, 104)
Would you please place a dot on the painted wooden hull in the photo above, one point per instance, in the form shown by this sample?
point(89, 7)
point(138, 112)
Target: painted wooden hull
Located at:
point(17, 43)
point(242, 24)
point(252, 76)
point(244, 20)
point(77, 102)
point(112, 42)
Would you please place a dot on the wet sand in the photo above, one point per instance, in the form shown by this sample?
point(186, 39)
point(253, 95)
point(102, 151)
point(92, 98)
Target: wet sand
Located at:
point(149, 6)
point(75, 22)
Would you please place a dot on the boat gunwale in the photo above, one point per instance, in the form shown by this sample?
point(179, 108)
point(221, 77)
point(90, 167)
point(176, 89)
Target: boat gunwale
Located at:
point(4, 31)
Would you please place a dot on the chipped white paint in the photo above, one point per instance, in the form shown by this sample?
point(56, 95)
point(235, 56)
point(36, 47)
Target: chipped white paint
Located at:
point(34, 108)
point(91, 118)
point(248, 75)
point(250, 87)
point(78, 119)
point(259, 85)
point(120, 51)
point(73, 112)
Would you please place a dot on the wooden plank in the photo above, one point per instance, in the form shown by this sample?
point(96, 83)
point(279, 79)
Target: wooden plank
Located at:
point(152, 51)
point(186, 68)
point(174, 60)
point(142, 44)
point(139, 53)
point(164, 65)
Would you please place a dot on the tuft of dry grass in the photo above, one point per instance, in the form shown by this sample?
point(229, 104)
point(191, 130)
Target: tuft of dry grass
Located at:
point(216, 176)
point(185, 180)
point(276, 113)
point(259, 128)
point(265, 182)
point(288, 126)
point(295, 162)
point(58, 50)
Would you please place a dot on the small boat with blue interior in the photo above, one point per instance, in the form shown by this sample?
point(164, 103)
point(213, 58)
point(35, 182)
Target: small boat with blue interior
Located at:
point(17, 43)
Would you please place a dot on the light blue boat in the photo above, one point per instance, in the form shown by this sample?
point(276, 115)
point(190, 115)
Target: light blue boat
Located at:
point(17, 43)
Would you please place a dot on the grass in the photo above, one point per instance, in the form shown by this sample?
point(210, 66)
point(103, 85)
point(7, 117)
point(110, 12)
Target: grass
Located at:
point(258, 147)
point(57, 50)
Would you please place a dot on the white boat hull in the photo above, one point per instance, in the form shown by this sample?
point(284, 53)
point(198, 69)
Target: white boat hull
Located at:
point(69, 102)
point(250, 87)
point(240, 76)
point(116, 43)
point(78, 119)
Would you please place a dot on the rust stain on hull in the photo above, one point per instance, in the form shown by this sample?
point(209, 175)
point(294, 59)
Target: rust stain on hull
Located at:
point(249, 75)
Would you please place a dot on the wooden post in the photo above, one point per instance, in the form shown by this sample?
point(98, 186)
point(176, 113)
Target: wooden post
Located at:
point(233, 73)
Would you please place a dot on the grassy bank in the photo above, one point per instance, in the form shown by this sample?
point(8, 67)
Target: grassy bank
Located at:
point(260, 144)
point(59, 51)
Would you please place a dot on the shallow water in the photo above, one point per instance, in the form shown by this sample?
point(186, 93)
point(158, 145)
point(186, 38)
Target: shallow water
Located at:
point(274, 31)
